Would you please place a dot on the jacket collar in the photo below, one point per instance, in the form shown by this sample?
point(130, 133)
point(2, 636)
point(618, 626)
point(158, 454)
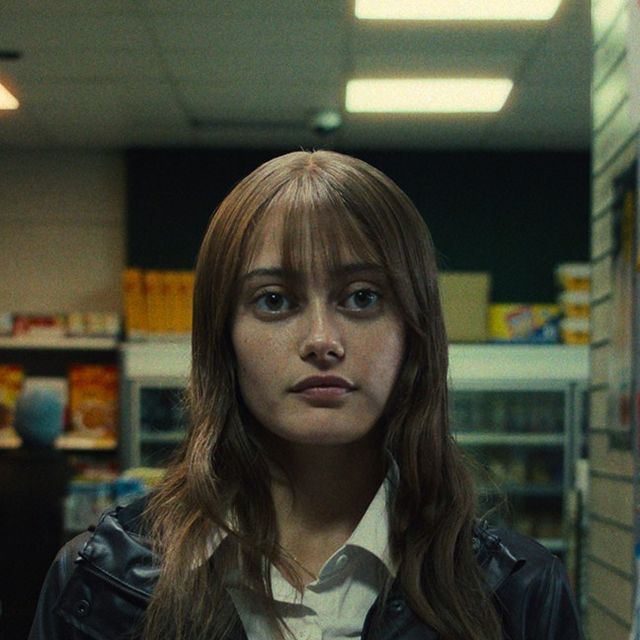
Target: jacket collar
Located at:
point(119, 552)
point(495, 558)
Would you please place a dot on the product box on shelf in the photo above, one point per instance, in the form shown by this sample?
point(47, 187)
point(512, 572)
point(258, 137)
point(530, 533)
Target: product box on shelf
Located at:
point(93, 401)
point(93, 324)
point(465, 302)
point(6, 323)
point(574, 281)
point(11, 382)
point(575, 330)
point(574, 276)
point(524, 323)
point(157, 303)
point(135, 303)
point(39, 326)
point(575, 304)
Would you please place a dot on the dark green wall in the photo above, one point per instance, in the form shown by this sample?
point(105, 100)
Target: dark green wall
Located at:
point(515, 215)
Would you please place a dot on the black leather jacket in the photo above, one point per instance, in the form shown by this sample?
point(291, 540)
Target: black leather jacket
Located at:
point(99, 585)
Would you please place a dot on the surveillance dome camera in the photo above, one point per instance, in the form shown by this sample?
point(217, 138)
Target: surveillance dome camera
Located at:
point(326, 121)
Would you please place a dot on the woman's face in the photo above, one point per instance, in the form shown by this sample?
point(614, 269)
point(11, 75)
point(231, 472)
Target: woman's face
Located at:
point(341, 329)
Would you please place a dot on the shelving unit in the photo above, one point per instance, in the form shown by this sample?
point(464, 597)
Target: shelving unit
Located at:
point(153, 376)
point(518, 412)
point(66, 443)
point(488, 439)
point(50, 357)
point(58, 344)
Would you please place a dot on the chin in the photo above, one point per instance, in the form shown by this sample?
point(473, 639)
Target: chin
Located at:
point(322, 435)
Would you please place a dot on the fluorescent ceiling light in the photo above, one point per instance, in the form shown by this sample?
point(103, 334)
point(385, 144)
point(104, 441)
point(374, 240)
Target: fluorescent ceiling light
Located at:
point(456, 9)
point(427, 95)
point(7, 99)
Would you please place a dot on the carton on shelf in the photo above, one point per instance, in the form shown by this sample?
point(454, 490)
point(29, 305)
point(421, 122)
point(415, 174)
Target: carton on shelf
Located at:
point(185, 300)
point(179, 296)
point(39, 326)
point(135, 303)
point(573, 276)
point(465, 304)
point(157, 302)
point(11, 381)
point(93, 401)
point(525, 323)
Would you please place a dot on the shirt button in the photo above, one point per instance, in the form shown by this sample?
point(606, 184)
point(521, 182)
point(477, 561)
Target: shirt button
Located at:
point(342, 561)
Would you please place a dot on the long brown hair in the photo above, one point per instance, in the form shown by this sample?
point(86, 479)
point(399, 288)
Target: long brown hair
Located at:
point(219, 480)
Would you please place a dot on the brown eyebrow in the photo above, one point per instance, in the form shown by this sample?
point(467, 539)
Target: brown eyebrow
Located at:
point(296, 276)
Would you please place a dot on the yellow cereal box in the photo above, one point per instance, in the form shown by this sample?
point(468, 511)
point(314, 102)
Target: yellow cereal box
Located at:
point(135, 305)
point(11, 381)
point(93, 401)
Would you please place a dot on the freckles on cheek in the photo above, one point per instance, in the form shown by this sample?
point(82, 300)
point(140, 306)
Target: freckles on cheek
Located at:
point(255, 357)
point(385, 354)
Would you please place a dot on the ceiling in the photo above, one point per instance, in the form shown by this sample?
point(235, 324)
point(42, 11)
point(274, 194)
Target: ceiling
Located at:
point(252, 73)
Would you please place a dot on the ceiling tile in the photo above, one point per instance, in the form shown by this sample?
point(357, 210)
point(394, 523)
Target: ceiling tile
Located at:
point(442, 40)
point(565, 51)
point(91, 64)
point(251, 8)
point(126, 72)
point(214, 66)
point(45, 8)
point(20, 129)
point(99, 111)
point(413, 64)
point(32, 32)
point(561, 113)
point(250, 101)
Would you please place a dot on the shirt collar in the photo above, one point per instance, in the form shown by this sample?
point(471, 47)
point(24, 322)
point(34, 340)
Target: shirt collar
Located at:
point(371, 535)
point(372, 532)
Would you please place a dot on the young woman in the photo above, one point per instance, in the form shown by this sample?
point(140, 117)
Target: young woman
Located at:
point(319, 493)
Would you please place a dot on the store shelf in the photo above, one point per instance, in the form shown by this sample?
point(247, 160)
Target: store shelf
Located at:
point(160, 360)
point(515, 366)
point(501, 439)
point(168, 437)
point(526, 490)
point(66, 443)
point(85, 344)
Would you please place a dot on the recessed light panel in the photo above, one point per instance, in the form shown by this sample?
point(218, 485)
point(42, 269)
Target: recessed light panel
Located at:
point(456, 9)
point(427, 95)
point(7, 99)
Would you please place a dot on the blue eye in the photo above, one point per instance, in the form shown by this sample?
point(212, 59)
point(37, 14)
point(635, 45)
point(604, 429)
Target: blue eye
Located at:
point(273, 302)
point(364, 298)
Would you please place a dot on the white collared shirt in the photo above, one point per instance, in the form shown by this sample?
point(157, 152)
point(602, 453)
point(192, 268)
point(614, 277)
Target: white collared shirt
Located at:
point(334, 606)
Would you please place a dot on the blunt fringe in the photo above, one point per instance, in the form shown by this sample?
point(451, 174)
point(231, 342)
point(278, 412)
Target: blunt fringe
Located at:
point(218, 482)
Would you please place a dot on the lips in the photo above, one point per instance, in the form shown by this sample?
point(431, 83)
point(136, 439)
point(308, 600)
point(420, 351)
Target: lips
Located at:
point(322, 381)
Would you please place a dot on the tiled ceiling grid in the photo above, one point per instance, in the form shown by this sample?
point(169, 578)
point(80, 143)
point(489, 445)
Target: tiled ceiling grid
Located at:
point(252, 72)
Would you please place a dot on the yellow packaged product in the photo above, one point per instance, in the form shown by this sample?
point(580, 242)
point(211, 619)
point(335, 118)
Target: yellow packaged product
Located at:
point(135, 303)
point(11, 380)
point(93, 401)
point(574, 276)
point(575, 304)
point(575, 331)
point(524, 323)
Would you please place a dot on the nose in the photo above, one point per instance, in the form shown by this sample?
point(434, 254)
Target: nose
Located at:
point(321, 339)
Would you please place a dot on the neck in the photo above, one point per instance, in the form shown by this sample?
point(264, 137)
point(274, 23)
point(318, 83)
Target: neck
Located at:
point(320, 493)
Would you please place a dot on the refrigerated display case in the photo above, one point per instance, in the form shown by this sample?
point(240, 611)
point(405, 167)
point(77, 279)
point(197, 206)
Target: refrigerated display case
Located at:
point(154, 377)
point(519, 413)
